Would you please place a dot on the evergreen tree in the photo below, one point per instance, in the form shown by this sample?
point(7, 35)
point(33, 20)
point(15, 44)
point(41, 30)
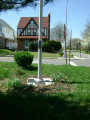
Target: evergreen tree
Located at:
point(16, 4)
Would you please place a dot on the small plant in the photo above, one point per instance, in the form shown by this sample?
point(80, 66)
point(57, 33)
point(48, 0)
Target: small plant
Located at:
point(61, 53)
point(14, 84)
point(58, 77)
point(71, 55)
point(23, 59)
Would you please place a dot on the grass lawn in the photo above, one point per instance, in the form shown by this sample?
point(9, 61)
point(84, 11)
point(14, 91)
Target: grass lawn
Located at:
point(66, 99)
point(6, 52)
point(52, 55)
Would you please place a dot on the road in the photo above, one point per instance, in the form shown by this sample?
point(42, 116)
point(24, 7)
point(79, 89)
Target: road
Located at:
point(86, 56)
point(83, 61)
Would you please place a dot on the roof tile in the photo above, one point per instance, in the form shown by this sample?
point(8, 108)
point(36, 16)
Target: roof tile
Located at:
point(25, 20)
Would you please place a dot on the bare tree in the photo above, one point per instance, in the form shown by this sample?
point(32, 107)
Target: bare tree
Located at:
point(57, 32)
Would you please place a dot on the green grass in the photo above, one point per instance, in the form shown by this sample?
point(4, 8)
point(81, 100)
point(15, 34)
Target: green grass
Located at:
point(52, 55)
point(64, 100)
point(74, 74)
point(6, 52)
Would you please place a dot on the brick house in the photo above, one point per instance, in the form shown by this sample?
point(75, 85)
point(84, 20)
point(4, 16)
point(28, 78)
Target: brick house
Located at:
point(27, 31)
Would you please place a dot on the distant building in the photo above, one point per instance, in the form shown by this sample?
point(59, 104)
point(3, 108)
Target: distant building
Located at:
point(7, 36)
point(27, 31)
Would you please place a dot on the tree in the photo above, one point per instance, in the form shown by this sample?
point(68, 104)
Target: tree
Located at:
point(57, 32)
point(76, 43)
point(15, 4)
point(86, 36)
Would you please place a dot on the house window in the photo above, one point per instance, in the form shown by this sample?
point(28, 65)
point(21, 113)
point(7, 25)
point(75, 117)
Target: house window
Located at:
point(24, 32)
point(45, 32)
point(29, 32)
point(26, 44)
point(18, 32)
point(34, 32)
point(28, 26)
point(35, 26)
point(37, 32)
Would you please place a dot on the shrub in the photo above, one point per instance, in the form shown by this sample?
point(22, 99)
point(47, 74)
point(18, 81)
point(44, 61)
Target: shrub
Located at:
point(61, 53)
point(51, 46)
point(23, 58)
point(57, 46)
point(14, 84)
point(46, 47)
point(32, 46)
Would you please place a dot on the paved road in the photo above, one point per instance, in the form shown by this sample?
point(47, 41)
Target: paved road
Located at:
point(6, 59)
point(56, 61)
point(81, 55)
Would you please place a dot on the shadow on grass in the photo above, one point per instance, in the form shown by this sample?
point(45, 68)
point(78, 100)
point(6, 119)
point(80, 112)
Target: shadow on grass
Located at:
point(27, 104)
point(31, 68)
point(78, 82)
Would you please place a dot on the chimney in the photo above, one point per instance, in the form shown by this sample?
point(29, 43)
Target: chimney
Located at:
point(49, 27)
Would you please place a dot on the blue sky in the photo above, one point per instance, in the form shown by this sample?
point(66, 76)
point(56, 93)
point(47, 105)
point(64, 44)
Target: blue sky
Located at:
point(78, 14)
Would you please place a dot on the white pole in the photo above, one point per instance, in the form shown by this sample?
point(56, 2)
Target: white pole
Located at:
point(66, 18)
point(66, 30)
point(40, 41)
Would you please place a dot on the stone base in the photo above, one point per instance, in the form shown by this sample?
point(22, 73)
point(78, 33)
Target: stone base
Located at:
point(39, 82)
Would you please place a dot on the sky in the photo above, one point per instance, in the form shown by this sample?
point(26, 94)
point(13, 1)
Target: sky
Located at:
point(78, 14)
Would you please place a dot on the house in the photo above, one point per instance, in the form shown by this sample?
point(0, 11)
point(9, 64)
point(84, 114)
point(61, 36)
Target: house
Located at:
point(7, 36)
point(27, 31)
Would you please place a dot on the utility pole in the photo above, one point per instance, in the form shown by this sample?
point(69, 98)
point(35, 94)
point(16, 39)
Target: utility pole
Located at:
point(65, 54)
point(70, 46)
point(65, 42)
point(40, 41)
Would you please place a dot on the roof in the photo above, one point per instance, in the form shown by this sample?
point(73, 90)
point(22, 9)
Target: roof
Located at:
point(30, 37)
point(25, 20)
point(3, 23)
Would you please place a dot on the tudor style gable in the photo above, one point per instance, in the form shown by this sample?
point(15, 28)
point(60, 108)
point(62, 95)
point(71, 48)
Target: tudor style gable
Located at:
point(31, 29)
point(27, 31)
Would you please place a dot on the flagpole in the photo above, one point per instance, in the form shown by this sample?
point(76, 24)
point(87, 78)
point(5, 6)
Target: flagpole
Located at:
point(40, 41)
